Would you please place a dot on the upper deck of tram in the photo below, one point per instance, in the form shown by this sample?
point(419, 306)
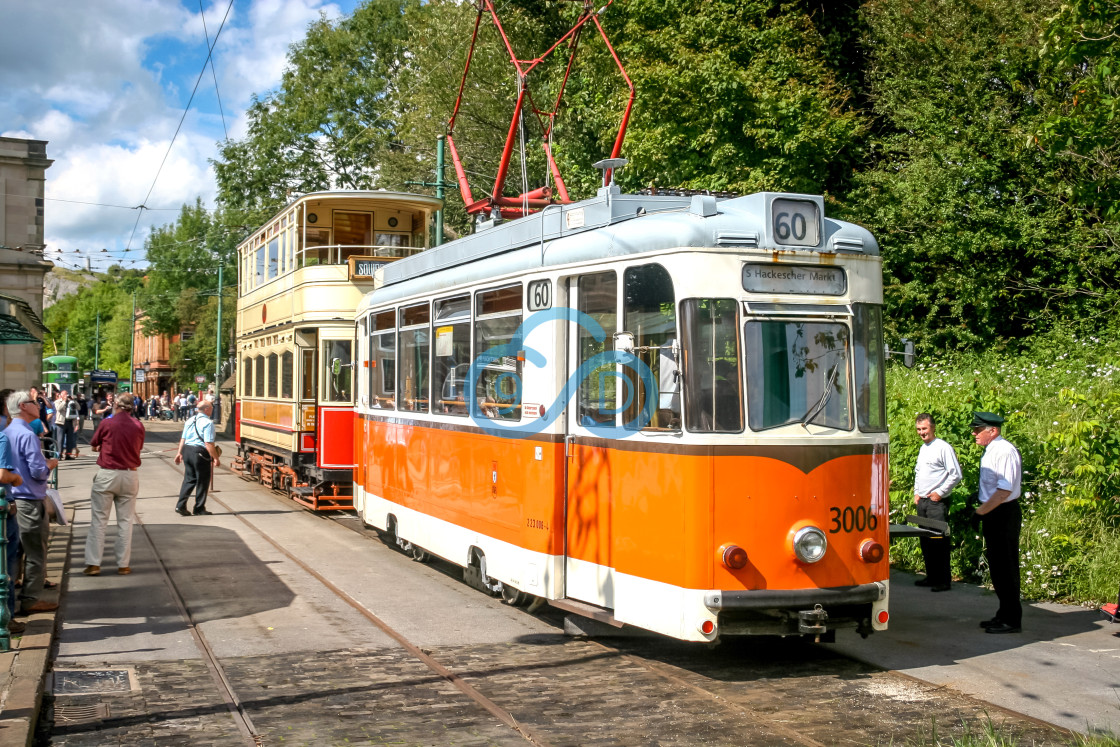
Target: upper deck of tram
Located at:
point(614, 225)
point(316, 244)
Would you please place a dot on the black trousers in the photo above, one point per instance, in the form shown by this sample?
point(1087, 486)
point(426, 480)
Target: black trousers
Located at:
point(1001, 545)
point(196, 477)
point(935, 550)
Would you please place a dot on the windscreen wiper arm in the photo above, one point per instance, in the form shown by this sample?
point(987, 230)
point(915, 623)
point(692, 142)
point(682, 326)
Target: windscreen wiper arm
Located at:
point(813, 411)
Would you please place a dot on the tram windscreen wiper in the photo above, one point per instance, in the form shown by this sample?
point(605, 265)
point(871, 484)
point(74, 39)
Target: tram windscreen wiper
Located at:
point(815, 410)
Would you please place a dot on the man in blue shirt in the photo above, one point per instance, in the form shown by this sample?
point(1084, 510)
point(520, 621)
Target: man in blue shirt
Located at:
point(9, 476)
point(27, 456)
point(198, 454)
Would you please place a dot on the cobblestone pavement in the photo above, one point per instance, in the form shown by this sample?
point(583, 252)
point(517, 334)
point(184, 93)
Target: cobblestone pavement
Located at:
point(563, 691)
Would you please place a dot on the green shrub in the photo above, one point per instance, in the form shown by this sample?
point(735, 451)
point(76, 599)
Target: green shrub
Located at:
point(1061, 398)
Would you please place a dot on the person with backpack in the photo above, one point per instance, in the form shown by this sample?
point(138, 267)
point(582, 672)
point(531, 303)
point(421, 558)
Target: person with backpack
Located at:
point(71, 416)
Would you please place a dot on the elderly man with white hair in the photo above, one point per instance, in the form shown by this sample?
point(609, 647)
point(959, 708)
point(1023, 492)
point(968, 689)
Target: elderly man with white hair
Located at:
point(31, 512)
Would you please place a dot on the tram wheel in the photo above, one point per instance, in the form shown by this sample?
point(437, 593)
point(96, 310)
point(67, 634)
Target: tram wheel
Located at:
point(515, 597)
point(419, 554)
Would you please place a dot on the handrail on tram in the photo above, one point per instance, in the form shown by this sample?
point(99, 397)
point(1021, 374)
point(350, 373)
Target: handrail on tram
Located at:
point(340, 254)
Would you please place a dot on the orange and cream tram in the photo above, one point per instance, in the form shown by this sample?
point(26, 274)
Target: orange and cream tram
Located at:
point(302, 275)
point(659, 411)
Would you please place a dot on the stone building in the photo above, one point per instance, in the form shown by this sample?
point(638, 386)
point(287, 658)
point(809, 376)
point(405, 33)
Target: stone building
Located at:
point(23, 166)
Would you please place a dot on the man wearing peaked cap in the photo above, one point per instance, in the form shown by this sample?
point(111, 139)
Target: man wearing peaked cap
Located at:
point(1001, 478)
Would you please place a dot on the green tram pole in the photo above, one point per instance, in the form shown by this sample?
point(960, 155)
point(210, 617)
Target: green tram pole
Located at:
point(218, 342)
point(132, 350)
point(440, 184)
point(97, 343)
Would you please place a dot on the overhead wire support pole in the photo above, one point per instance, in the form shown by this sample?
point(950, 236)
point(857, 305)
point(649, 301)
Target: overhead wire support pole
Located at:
point(440, 184)
point(132, 349)
point(218, 351)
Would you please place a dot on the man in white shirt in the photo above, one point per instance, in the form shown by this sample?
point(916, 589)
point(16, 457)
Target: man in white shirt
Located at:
point(936, 473)
point(1001, 481)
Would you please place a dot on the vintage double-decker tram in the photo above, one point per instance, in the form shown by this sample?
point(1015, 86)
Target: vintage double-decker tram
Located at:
point(301, 275)
point(659, 411)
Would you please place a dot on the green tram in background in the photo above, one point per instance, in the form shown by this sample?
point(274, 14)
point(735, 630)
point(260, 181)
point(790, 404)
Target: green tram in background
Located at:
point(60, 372)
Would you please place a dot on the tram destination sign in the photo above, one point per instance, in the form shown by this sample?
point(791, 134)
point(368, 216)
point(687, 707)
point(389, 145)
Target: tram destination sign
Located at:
point(767, 277)
point(362, 268)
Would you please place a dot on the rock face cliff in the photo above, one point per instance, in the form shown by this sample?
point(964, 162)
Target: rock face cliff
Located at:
point(60, 282)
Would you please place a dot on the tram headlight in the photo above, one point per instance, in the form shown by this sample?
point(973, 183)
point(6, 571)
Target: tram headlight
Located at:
point(809, 544)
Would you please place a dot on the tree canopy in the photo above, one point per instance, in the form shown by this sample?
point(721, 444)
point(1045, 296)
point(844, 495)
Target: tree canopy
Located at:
point(977, 139)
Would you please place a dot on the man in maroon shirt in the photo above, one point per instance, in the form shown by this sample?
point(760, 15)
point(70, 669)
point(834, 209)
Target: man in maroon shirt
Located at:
point(118, 441)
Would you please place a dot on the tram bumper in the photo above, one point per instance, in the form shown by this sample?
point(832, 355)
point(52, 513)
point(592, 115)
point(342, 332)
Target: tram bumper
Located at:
point(817, 612)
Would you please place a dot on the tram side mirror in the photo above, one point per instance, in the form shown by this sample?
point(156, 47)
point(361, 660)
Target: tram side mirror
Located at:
point(336, 366)
point(907, 352)
point(624, 341)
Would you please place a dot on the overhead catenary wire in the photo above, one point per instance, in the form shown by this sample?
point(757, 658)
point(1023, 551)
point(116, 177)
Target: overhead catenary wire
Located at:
point(213, 72)
point(186, 109)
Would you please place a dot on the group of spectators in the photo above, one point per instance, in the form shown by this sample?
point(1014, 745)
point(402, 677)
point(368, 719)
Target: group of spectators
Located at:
point(24, 474)
point(35, 432)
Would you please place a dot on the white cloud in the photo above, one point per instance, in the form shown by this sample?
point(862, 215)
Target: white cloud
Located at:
point(106, 82)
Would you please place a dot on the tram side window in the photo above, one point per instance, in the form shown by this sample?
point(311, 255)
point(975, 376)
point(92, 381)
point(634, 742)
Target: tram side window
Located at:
point(650, 315)
point(247, 372)
point(287, 364)
point(870, 386)
point(273, 258)
point(713, 388)
point(452, 355)
point(797, 372)
point(273, 375)
point(258, 274)
point(383, 361)
point(338, 386)
point(499, 388)
point(412, 387)
point(598, 298)
point(259, 377)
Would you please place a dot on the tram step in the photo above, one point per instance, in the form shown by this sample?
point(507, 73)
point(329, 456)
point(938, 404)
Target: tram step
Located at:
point(302, 490)
point(584, 609)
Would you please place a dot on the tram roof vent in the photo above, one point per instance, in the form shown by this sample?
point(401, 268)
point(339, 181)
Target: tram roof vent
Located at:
point(731, 238)
point(847, 244)
point(703, 205)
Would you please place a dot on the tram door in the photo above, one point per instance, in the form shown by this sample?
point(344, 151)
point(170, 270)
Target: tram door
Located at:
point(307, 340)
point(336, 398)
point(589, 573)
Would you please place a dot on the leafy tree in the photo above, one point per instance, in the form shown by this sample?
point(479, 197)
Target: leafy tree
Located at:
point(951, 193)
point(734, 95)
point(331, 119)
point(185, 255)
point(99, 321)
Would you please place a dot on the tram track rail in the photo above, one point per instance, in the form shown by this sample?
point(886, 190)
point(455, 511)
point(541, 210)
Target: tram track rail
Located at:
point(237, 710)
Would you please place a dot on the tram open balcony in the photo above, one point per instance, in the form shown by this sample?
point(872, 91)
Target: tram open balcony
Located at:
point(313, 256)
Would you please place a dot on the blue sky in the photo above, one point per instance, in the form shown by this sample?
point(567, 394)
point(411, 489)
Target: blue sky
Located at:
point(106, 83)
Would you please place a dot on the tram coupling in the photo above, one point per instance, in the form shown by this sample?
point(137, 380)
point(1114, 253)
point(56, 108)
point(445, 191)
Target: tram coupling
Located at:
point(812, 622)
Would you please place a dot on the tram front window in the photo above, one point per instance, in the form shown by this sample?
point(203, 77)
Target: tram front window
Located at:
point(797, 372)
point(713, 389)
